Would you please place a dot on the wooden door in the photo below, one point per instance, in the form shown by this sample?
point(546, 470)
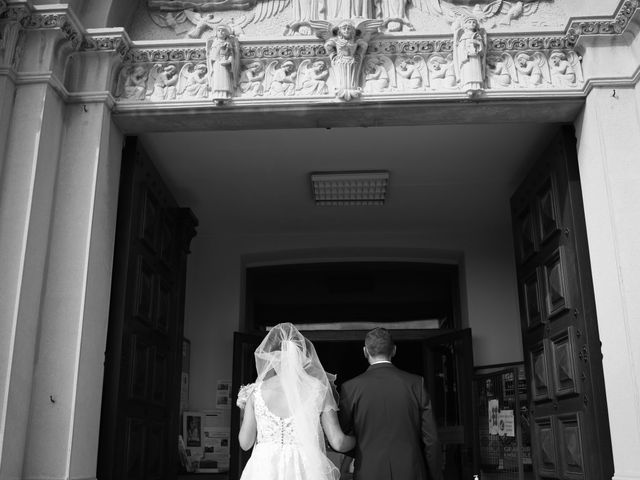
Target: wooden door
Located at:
point(139, 420)
point(570, 427)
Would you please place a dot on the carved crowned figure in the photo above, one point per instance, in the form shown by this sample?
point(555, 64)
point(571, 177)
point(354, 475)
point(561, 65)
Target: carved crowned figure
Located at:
point(469, 50)
point(224, 57)
point(346, 46)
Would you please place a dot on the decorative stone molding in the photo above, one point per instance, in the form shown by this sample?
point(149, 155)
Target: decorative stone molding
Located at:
point(604, 26)
point(109, 40)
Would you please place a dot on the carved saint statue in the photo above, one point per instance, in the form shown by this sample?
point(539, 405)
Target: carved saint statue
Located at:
point(346, 46)
point(469, 49)
point(224, 59)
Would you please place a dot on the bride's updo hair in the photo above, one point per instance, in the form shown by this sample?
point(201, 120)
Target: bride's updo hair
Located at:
point(379, 342)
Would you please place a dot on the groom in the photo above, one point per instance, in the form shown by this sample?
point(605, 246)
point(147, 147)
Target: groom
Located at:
point(389, 412)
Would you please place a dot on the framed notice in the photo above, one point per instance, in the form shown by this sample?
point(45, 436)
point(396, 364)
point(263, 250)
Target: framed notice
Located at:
point(193, 429)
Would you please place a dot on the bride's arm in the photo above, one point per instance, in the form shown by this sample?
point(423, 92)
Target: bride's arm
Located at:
point(248, 429)
point(338, 440)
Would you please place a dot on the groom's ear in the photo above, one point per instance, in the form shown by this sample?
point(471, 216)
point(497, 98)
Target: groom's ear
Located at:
point(365, 352)
point(393, 352)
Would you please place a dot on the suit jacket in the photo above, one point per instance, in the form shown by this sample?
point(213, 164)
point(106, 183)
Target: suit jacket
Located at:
point(389, 412)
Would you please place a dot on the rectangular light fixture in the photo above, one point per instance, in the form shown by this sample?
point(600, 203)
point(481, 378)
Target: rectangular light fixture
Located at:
point(336, 189)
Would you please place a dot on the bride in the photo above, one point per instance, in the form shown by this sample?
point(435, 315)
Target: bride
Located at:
point(288, 411)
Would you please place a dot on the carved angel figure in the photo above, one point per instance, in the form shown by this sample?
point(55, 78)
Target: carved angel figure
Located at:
point(224, 59)
point(565, 69)
point(379, 75)
point(346, 46)
point(251, 80)
point(500, 71)
point(441, 72)
point(132, 83)
point(312, 78)
point(280, 80)
point(163, 80)
point(469, 49)
point(193, 81)
point(201, 21)
point(532, 69)
point(412, 73)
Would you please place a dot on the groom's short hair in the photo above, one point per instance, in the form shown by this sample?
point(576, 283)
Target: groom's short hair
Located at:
point(379, 342)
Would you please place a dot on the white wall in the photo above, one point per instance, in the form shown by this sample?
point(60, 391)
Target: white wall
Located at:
point(214, 295)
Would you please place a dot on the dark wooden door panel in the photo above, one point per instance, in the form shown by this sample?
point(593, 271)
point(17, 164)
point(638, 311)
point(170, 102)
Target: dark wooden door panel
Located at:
point(139, 421)
point(570, 433)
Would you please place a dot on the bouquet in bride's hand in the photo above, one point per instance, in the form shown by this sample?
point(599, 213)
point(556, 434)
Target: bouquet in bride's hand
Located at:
point(244, 394)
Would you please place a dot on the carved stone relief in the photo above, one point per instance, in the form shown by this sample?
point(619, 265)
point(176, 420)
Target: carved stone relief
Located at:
point(198, 18)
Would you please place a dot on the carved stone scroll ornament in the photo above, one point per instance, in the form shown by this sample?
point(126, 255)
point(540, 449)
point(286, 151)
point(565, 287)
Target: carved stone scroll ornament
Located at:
point(346, 45)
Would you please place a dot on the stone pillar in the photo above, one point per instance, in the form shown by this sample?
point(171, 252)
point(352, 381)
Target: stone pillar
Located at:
point(59, 158)
point(608, 132)
point(67, 381)
point(31, 129)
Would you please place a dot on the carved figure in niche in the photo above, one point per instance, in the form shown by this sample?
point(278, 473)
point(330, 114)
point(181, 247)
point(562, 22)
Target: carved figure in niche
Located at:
point(251, 80)
point(565, 69)
point(412, 73)
point(379, 75)
point(312, 78)
point(500, 71)
point(346, 46)
point(280, 80)
point(193, 81)
point(164, 80)
point(441, 72)
point(469, 50)
point(532, 69)
point(132, 83)
point(224, 59)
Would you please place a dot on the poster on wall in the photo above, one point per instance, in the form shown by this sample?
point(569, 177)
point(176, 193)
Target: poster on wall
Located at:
point(494, 408)
point(223, 394)
point(216, 440)
point(506, 423)
point(192, 426)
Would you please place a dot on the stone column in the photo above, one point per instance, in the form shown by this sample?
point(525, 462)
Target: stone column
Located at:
point(608, 134)
point(31, 128)
point(67, 380)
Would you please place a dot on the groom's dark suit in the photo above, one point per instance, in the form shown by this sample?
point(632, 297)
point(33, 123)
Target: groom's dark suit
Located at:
point(389, 412)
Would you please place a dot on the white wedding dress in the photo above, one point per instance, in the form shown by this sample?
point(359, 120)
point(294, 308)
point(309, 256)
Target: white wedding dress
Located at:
point(276, 456)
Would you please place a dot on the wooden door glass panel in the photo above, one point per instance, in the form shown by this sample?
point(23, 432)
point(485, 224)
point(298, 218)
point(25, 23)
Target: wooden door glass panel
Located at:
point(563, 354)
point(135, 449)
point(149, 221)
point(571, 450)
point(540, 372)
point(144, 291)
point(525, 235)
point(156, 451)
point(556, 288)
point(159, 392)
point(532, 299)
point(544, 440)
point(139, 378)
point(163, 309)
point(548, 208)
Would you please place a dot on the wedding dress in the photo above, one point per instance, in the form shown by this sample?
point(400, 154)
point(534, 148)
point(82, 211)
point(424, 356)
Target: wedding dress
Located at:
point(291, 445)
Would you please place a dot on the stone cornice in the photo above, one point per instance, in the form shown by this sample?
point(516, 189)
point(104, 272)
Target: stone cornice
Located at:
point(613, 25)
